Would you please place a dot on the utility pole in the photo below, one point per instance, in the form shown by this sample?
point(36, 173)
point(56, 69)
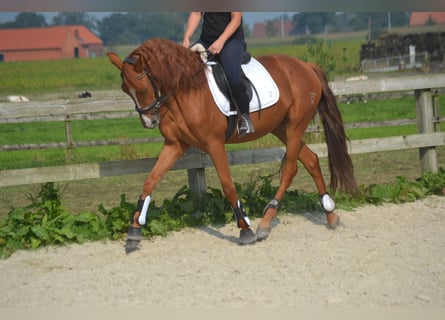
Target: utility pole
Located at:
point(389, 21)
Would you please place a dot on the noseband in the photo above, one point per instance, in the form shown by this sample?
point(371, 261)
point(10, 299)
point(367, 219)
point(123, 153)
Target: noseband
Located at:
point(159, 99)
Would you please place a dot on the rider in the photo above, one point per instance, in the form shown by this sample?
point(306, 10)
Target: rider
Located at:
point(222, 34)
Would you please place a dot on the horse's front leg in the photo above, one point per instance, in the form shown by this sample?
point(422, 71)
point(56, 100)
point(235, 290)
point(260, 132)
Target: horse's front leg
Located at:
point(219, 158)
point(170, 153)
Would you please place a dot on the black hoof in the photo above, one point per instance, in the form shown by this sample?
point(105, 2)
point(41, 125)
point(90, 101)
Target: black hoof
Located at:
point(131, 246)
point(262, 233)
point(134, 236)
point(246, 236)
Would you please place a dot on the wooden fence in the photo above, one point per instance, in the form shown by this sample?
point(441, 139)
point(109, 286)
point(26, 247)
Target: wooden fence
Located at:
point(424, 87)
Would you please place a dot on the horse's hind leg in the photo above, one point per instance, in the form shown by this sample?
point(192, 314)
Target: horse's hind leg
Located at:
point(288, 171)
point(311, 163)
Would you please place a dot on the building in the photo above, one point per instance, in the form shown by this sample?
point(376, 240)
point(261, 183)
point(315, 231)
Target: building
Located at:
point(424, 18)
point(283, 28)
point(51, 43)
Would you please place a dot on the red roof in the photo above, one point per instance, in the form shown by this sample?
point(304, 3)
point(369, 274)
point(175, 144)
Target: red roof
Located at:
point(422, 18)
point(41, 38)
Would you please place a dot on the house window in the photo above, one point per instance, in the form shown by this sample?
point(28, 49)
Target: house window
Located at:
point(2, 57)
point(76, 52)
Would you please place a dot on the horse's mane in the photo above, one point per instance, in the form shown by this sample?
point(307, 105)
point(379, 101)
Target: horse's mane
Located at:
point(174, 67)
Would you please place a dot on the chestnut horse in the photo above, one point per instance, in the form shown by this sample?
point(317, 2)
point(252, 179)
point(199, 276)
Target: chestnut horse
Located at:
point(168, 85)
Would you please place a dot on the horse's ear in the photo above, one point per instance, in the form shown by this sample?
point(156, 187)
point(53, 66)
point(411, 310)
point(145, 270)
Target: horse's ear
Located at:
point(114, 59)
point(139, 66)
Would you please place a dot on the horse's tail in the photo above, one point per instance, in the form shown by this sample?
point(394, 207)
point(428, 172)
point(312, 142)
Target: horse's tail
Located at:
point(340, 163)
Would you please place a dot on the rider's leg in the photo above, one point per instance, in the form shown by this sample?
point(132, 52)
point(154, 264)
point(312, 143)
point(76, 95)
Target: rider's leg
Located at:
point(231, 58)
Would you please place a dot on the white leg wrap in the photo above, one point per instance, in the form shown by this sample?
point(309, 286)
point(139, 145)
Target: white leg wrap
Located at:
point(327, 203)
point(143, 214)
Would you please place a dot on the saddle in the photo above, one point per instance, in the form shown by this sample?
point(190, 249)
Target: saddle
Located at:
point(258, 83)
point(223, 84)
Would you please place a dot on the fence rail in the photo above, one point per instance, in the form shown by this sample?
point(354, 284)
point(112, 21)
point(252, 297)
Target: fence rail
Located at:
point(427, 121)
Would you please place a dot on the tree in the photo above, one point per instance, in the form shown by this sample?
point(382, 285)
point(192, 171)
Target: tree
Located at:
point(118, 29)
point(321, 53)
point(136, 27)
point(75, 18)
point(314, 22)
point(271, 30)
point(25, 20)
point(378, 20)
point(29, 20)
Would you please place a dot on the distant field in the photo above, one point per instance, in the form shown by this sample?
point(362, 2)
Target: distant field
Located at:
point(62, 77)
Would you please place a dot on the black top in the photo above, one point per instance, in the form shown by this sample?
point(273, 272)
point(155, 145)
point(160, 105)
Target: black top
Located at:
point(214, 24)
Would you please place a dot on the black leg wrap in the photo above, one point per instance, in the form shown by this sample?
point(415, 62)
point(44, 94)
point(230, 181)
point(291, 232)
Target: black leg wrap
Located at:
point(240, 215)
point(274, 204)
point(138, 209)
point(134, 234)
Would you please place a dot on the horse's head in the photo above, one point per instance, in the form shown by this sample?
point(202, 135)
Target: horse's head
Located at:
point(140, 85)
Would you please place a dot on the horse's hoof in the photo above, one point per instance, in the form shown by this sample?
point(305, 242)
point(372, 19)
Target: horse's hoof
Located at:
point(262, 233)
point(334, 223)
point(134, 236)
point(131, 246)
point(246, 236)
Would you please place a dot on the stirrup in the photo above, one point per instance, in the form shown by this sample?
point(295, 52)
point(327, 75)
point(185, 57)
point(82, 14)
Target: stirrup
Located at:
point(245, 125)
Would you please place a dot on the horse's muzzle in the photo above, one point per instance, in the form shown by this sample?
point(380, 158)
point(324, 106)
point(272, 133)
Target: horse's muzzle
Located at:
point(149, 122)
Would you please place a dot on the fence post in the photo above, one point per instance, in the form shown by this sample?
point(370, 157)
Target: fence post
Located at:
point(69, 139)
point(197, 181)
point(436, 111)
point(425, 124)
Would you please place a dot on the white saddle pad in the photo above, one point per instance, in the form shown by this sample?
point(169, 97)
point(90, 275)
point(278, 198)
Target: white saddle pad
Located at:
point(265, 86)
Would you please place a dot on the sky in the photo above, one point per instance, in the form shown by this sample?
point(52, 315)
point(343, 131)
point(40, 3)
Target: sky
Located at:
point(250, 18)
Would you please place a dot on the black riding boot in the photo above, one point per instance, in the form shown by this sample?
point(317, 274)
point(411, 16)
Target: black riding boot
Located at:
point(245, 125)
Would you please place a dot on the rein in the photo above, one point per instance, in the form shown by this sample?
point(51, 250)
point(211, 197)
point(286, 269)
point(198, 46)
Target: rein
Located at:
point(159, 99)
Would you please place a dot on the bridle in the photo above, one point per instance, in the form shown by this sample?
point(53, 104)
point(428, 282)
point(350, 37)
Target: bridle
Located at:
point(159, 99)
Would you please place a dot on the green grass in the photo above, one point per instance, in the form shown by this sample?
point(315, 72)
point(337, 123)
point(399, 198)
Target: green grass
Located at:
point(57, 76)
point(379, 110)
